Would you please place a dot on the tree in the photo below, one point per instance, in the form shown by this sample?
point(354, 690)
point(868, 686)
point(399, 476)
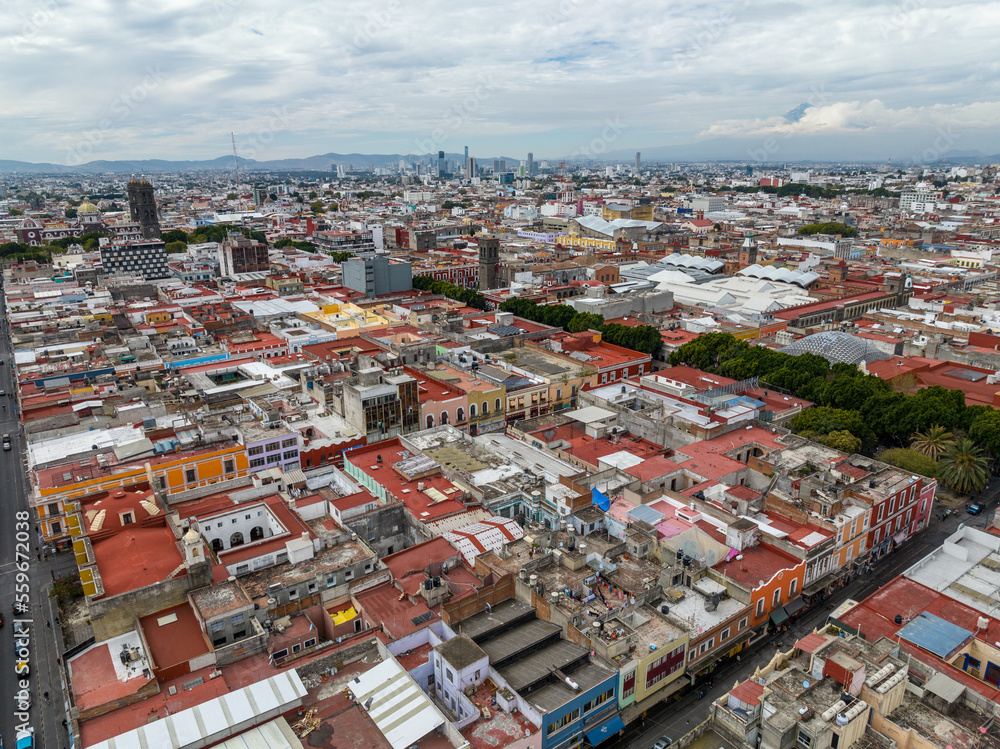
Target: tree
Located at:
point(316, 206)
point(585, 321)
point(964, 468)
point(841, 440)
point(230, 196)
point(933, 443)
point(71, 213)
point(15, 212)
point(985, 431)
point(909, 460)
point(830, 227)
point(176, 247)
point(822, 420)
point(174, 235)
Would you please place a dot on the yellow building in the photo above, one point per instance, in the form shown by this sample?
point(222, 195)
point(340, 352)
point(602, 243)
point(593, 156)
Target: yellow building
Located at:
point(55, 486)
point(349, 320)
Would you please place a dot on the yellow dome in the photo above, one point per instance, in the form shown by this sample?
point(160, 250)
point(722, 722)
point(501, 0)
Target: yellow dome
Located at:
point(87, 207)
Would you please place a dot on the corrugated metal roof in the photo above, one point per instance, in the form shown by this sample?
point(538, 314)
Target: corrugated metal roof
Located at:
point(646, 514)
point(401, 711)
point(934, 634)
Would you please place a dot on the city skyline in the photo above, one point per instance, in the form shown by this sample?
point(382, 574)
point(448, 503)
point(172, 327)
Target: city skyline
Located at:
point(728, 80)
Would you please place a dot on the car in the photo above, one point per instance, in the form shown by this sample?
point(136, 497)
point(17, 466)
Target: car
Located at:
point(663, 743)
point(20, 608)
point(22, 700)
point(26, 738)
point(6, 442)
point(20, 628)
point(975, 508)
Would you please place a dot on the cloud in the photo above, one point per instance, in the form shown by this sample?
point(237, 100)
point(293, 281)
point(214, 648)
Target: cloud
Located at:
point(379, 75)
point(859, 116)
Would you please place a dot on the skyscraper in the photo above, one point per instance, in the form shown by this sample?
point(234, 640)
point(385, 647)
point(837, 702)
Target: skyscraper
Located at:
point(531, 164)
point(142, 206)
point(470, 167)
point(636, 162)
point(441, 167)
point(466, 154)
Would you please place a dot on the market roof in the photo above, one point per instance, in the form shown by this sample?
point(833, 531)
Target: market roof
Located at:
point(836, 347)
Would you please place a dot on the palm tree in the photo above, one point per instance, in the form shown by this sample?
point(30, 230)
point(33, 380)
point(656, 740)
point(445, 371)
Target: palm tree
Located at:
point(933, 443)
point(964, 468)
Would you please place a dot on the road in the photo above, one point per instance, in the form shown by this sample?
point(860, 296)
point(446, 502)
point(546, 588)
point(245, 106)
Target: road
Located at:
point(674, 719)
point(43, 651)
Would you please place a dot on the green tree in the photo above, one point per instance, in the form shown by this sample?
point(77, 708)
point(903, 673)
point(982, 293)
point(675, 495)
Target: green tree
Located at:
point(585, 321)
point(841, 440)
point(316, 206)
point(964, 468)
point(933, 443)
point(230, 196)
point(985, 431)
point(174, 235)
point(176, 247)
point(822, 420)
point(71, 213)
point(15, 212)
point(909, 460)
point(829, 228)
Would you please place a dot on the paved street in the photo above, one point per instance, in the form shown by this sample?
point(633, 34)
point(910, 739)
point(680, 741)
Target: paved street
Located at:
point(674, 719)
point(44, 670)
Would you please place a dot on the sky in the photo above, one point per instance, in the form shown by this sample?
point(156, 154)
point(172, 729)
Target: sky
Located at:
point(171, 79)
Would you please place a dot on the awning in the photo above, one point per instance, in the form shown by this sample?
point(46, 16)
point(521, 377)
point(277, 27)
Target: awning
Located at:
point(605, 731)
point(794, 607)
point(899, 537)
point(778, 616)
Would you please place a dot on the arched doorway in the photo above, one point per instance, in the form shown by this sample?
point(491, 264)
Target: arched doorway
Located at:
point(236, 539)
point(444, 418)
point(430, 421)
point(217, 544)
point(256, 533)
point(460, 415)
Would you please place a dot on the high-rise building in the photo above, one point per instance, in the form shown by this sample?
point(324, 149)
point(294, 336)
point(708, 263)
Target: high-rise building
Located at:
point(499, 166)
point(377, 275)
point(532, 168)
point(147, 259)
point(441, 168)
point(489, 261)
point(466, 154)
point(142, 206)
point(239, 254)
point(259, 195)
point(636, 162)
point(470, 167)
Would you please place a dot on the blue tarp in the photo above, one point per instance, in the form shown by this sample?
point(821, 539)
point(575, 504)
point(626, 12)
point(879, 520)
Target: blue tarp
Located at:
point(600, 500)
point(605, 731)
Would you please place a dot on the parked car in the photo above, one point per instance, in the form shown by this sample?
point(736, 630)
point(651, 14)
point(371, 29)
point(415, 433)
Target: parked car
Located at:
point(6, 442)
point(20, 608)
point(22, 700)
point(20, 628)
point(26, 739)
point(663, 743)
point(975, 508)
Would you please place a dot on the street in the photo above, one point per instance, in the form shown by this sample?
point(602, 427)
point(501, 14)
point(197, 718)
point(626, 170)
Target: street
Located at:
point(16, 516)
point(675, 718)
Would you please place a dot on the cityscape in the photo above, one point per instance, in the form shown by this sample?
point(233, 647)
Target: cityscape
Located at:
point(560, 383)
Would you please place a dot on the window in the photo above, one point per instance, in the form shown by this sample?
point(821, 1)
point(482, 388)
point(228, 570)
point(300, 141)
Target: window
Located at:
point(236, 619)
point(290, 455)
point(724, 635)
point(472, 410)
point(310, 642)
point(274, 447)
point(803, 739)
point(256, 450)
point(293, 594)
point(776, 600)
point(217, 626)
point(296, 648)
point(496, 405)
point(275, 458)
point(793, 586)
point(126, 518)
point(292, 442)
point(760, 609)
point(707, 645)
point(190, 476)
point(561, 723)
point(229, 467)
point(598, 700)
point(449, 675)
point(257, 463)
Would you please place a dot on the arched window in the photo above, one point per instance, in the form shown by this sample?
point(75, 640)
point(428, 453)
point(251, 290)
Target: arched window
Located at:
point(236, 539)
point(486, 407)
point(444, 418)
point(496, 405)
point(217, 544)
point(430, 421)
point(256, 533)
point(472, 410)
point(460, 415)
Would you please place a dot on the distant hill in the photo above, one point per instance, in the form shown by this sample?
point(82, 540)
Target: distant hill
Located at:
point(323, 162)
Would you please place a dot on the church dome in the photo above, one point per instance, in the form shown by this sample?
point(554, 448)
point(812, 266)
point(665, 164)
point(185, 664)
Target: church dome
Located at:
point(87, 207)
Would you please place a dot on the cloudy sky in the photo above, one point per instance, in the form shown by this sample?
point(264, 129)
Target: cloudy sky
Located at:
point(89, 79)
